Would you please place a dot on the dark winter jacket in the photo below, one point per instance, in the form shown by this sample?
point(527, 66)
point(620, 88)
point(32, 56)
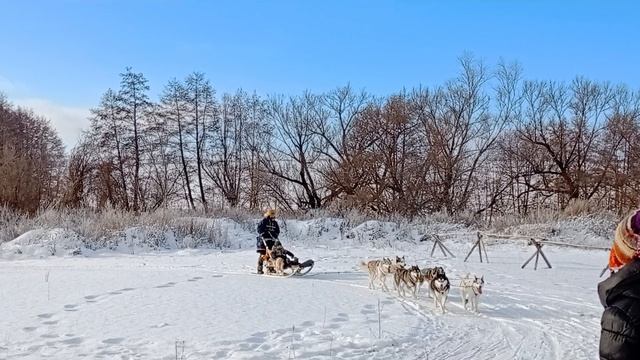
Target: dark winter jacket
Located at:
point(268, 228)
point(620, 296)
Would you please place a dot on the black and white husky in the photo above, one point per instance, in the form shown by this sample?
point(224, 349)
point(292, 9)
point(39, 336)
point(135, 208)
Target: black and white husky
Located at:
point(471, 289)
point(427, 275)
point(440, 286)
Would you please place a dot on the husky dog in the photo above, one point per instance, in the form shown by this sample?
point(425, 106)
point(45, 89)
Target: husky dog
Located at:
point(471, 289)
point(440, 286)
point(276, 258)
point(408, 278)
point(278, 266)
point(379, 269)
point(427, 275)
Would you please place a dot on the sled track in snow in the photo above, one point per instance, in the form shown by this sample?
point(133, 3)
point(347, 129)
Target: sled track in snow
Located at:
point(501, 335)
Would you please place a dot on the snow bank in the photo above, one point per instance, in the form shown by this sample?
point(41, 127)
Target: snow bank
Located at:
point(589, 231)
point(42, 243)
point(224, 233)
point(184, 233)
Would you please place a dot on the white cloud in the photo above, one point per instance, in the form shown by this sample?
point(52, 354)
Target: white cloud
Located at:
point(68, 120)
point(6, 86)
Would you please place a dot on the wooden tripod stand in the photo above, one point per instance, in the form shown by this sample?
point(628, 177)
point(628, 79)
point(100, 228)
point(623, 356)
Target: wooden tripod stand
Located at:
point(437, 241)
point(481, 247)
point(538, 245)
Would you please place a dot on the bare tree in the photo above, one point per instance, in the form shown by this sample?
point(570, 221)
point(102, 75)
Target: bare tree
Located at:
point(175, 109)
point(109, 134)
point(202, 111)
point(227, 163)
point(293, 154)
point(134, 103)
point(335, 126)
point(31, 160)
point(460, 130)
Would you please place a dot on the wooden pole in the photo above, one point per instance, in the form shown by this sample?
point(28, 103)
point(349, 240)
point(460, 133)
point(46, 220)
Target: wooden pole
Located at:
point(484, 247)
point(435, 242)
point(469, 254)
point(544, 257)
point(442, 246)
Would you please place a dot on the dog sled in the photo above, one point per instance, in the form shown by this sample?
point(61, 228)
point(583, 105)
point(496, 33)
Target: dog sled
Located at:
point(299, 269)
point(278, 261)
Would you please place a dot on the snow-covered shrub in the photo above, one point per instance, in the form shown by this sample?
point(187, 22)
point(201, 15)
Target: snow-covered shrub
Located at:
point(43, 243)
point(13, 224)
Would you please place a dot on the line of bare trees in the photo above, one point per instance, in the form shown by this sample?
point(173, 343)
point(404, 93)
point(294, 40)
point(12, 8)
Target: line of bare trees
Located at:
point(487, 142)
point(31, 160)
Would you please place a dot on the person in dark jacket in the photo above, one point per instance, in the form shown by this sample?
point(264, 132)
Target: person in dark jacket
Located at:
point(620, 294)
point(268, 232)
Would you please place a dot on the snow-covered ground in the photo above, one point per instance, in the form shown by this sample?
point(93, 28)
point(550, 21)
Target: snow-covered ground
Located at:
point(208, 304)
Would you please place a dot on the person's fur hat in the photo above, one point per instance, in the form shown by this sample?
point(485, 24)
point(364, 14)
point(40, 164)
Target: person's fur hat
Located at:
point(626, 245)
point(270, 213)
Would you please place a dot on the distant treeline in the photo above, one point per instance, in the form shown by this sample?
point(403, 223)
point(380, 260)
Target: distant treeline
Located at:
point(487, 142)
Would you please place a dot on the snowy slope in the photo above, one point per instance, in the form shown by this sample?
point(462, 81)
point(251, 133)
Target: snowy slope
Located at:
point(137, 306)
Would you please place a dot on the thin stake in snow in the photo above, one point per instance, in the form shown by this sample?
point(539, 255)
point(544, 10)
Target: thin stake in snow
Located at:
point(291, 349)
point(46, 279)
point(331, 348)
point(180, 350)
point(379, 321)
point(324, 318)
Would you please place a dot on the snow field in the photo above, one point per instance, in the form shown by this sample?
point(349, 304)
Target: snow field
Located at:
point(137, 306)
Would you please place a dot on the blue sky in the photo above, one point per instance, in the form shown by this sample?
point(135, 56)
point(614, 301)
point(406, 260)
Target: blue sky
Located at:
point(59, 56)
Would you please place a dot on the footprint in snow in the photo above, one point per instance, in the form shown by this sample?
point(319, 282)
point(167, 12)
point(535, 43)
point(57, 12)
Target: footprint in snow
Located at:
point(51, 322)
point(308, 323)
point(126, 289)
point(222, 354)
point(115, 293)
point(113, 341)
point(73, 341)
point(45, 316)
point(49, 336)
point(29, 328)
point(90, 297)
point(261, 334)
point(70, 307)
point(253, 342)
point(169, 284)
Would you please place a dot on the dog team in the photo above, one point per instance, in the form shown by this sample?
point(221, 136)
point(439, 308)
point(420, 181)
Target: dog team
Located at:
point(412, 278)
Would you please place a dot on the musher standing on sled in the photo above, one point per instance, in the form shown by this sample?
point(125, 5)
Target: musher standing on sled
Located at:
point(268, 230)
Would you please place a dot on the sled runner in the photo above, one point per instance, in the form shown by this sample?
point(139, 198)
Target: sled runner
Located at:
point(292, 270)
